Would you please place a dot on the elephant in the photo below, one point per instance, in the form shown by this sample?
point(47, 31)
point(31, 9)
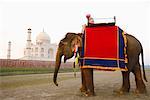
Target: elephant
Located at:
point(134, 49)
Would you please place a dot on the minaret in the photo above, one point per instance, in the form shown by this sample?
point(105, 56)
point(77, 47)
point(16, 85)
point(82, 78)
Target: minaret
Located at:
point(28, 46)
point(9, 50)
point(43, 30)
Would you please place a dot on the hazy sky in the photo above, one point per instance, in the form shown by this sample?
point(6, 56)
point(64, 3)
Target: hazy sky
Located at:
point(57, 18)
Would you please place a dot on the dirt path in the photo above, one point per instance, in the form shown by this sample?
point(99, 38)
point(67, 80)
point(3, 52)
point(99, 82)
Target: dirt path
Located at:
point(41, 87)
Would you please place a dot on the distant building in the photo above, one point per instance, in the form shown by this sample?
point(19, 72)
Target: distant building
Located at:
point(43, 49)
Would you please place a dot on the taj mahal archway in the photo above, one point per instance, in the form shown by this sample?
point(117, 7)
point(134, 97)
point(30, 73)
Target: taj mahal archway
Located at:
point(50, 53)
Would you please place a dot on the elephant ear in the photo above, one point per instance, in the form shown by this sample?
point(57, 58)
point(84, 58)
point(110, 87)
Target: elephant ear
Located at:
point(76, 41)
point(69, 43)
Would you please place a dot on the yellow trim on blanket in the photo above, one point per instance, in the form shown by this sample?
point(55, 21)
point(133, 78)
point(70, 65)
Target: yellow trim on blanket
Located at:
point(105, 68)
point(125, 48)
point(103, 58)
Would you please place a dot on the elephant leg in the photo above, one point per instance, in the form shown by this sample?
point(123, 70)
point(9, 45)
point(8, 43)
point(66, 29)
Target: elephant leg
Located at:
point(126, 81)
point(125, 84)
point(140, 86)
point(88, 76)
point(83, 87)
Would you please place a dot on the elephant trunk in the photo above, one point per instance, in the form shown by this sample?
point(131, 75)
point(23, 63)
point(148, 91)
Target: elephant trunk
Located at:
point(66, 48)
point(57, 66)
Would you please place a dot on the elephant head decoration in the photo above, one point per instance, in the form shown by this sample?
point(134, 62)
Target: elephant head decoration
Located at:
point(66, 49)
point(134, 49)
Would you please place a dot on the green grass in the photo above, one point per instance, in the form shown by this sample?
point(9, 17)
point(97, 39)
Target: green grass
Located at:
point(20, 71)
point(5, 71)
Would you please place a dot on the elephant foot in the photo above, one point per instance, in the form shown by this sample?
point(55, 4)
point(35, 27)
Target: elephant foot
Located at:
point(140, 91)
point(88, 94)
point(85, 92)
point(121, 91)
point(83, 89)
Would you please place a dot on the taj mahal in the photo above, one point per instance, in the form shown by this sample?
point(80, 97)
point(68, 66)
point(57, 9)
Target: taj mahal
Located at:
point(43, 49)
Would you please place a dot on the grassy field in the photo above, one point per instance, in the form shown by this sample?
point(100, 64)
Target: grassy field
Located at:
point(21, 71)
point(7, 71)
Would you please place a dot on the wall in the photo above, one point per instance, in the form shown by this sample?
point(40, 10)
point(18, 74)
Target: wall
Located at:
point(31, 63)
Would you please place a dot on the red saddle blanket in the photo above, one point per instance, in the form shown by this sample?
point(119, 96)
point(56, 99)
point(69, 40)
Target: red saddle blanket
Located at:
point(104, 48)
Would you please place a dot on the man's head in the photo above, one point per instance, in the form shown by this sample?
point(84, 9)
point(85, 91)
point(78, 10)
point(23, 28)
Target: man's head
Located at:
point(90, 19)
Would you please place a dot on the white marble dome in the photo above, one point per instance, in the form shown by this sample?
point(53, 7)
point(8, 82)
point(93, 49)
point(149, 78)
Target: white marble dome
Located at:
point(43, 49)
point(43, 38)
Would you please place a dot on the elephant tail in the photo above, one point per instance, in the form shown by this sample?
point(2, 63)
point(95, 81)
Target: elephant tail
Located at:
point(142, 58)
